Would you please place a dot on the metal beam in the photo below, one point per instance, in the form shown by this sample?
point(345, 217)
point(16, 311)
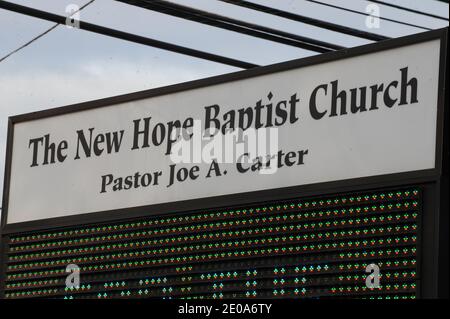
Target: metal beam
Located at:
point(127, 36)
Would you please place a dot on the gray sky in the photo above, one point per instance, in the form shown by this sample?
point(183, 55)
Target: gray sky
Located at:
point(69, 66)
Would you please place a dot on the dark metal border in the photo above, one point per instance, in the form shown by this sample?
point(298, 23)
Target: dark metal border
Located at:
point(442, 213)
point(431, 175)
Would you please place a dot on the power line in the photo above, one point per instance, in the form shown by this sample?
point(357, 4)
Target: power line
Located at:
point(28, 43)
point(308, 20)
point(365, 14)
point(235, 25)
point(409, 9)
point(40, 35)
point(219, 21)
point(127, 36)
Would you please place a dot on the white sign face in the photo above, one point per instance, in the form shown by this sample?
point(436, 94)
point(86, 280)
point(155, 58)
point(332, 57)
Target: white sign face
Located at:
point(369, 115)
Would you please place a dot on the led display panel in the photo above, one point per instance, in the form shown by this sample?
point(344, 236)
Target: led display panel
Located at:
point(313, 247)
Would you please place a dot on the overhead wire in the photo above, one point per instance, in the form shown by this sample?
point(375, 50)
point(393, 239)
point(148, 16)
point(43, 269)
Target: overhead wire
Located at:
point(23, 46)
point(219, 21)
point(367, 14)
point(126, 36)
point(308, 20)
point(393, 5)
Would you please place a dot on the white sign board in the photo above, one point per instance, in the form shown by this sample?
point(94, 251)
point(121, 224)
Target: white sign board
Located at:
point(363, 116)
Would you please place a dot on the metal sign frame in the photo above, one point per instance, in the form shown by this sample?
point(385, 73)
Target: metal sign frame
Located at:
point(434, 235)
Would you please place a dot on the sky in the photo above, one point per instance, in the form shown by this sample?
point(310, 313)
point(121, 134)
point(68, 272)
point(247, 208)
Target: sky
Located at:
point(70, 66)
